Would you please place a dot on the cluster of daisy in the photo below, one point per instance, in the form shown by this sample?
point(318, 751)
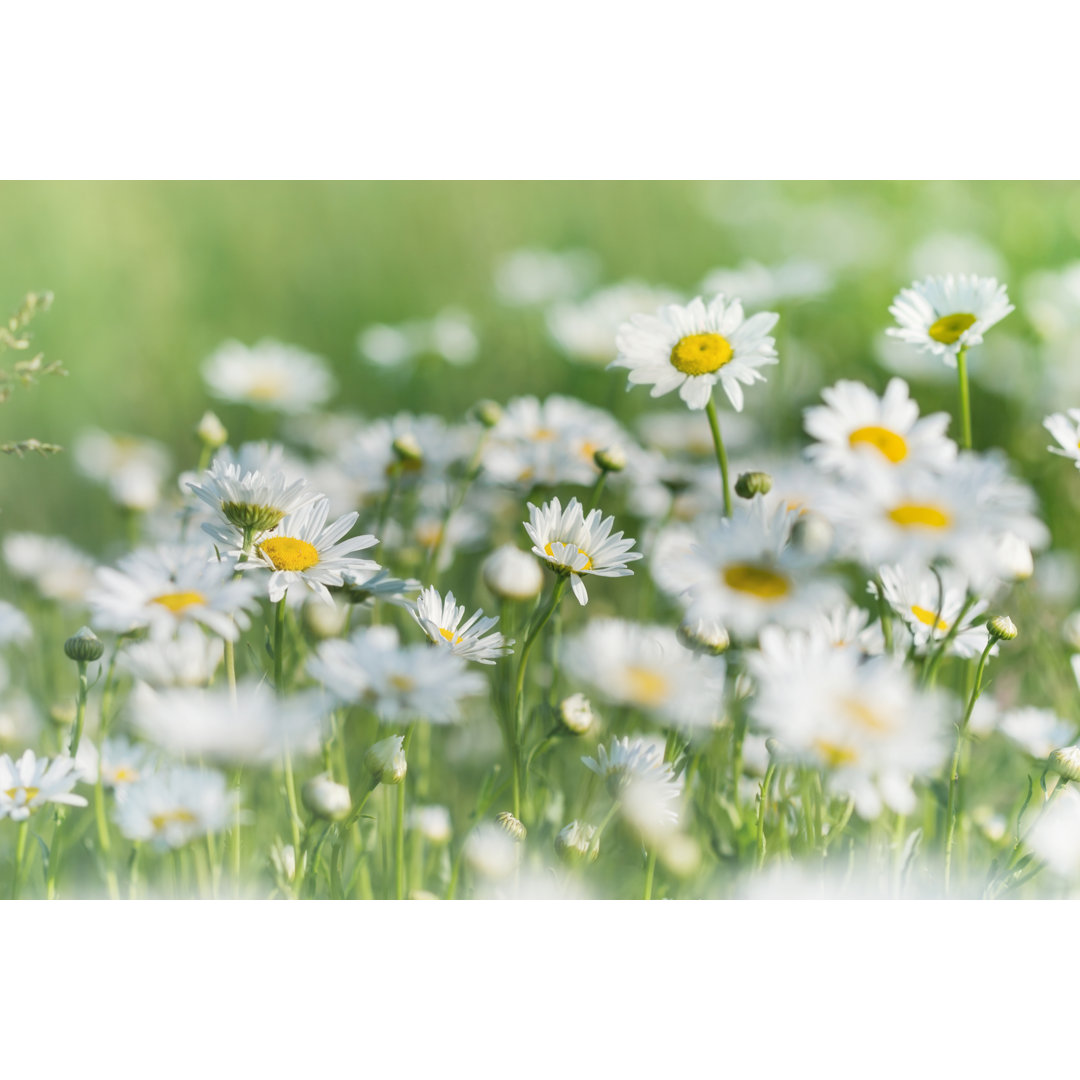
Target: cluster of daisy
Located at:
point(278, 692)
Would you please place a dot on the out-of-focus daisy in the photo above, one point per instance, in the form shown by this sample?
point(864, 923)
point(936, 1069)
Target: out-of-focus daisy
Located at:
point(29, 783)
point(692, 348)
point(633, 762)
point(864, 722)
point(268, 375)
point(943, 315)
point(119, 761)
point(56, 568)
point(1036, 731)
point(533, 276)
point(304, 550)
point(133, 469)
point(491, 852)
point(171, 807)
point(939, 252)
point(432, 823)
point(1055, 836)
point(15, 627)
point(512, 574)
point(1065, 427)
point(856, 428)
point(254, 727)
point(796, 279)
point(450, 335)
point(440, 619)
point(646, 668)
point(669, 433)
point(585, 330)
point(189, 658)
point(929, 603)
point(410, 682)
point(365, 587)
point(159, 588)
point(576, 545)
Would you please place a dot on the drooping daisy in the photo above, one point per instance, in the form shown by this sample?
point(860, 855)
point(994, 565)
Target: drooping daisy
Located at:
point(160, 588)
point(407, 682)
point(254, 727)
point(943, 315)
point(441, 620)
point(304, 550)
point(189, 658)
point(929, 603)
point(268, 375)
point(576, 545)
point(865, 723)
point(29, 783)
point(631, 763)
point(694, 347)
point(855, 428)
point(645, 667)
point(1065, 427)
point(171, 807)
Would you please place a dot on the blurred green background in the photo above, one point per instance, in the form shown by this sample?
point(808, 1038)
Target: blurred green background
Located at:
point(150, 277)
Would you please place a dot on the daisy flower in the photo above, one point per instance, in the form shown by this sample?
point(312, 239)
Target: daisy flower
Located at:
point(304, 550)
point(532, 276)
point(692, 348)
point(366, 586)
point(1055, 836)
point(943, 315)
point(930, 603)
point(796, 279)
point(56, 568)
point(856, 428)
point(268, 375)
point(133, 469)
point(190, 658)
point(576, 545)
point(1065, 427)
point(410, 682)
point(634, 763)
point(161, 588)
point(172, 807)
point(31, 782)
point(1036, 731)
point(123, 762)
point(646, 668)
point(15, 627)
point(441, 620)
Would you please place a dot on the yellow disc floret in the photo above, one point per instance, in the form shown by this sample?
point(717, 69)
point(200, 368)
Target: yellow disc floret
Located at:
point(919, 516)
point(646, 686)
point(892, 446)
point(700, 354)
point(449, 635)
point(28, 793)
point(950, 328)
point(176, 602)
point(928, 618)
point(288, 553)
point(760, 581)
point(588, 558)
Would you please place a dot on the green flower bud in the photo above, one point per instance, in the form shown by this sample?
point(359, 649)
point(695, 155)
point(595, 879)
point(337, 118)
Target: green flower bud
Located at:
point(84, 647)
point(753, 483)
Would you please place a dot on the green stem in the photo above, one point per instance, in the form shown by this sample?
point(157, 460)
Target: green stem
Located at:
point(279, 645)
point(20, 855)
point(104, 839)
point(80, 710)
point(965, 399)
point(399, 850)
point(598, 488)
point(721, 453)
point(763, 804)
point(650, 870)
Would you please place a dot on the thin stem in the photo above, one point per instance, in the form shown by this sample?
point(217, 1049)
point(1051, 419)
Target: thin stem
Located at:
point(104, 839)
point(20, 855)
point(598, 488)
point(80, 710)
point(721, 453)
point(279, 644)
point(650, 870)
point(763, 804)
point(965, 399)
point(399, 851)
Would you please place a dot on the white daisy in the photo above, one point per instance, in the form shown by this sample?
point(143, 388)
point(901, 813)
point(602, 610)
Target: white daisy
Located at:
point(268, 375)
point(122, 762)
point(929, 603)
point(255, 726)
point(576, 545)
point(1065, 427)
point(632, 763)
point(133, 469)
point(1037, 731)
point(533, 276)
point(174, 806)
point(410, 682)
point(366, 586)
point(943, 315)
point(796, 279)
point(304, 550)
point(159, 588)
point(1055, 836)
point(645, 667)
point(57, 569)
point(692, 348)
point(31, 782)
point(15, 627)
point(441, 620)
point(450, 335)
point(189, 658)
point(856, 428)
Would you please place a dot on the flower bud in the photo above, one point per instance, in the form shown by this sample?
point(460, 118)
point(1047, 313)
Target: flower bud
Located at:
point(487, 412)
point(326, 799)
point(706, 637)
point(1066, 762)
point(211, 431)
point(512, 574)
point(283, 857)
point(386, 760)
point(610, 459)
point(576, 714)
point(812, 533)
point(407, 449)
point(1002, 628)
point(84, 647)
point(577, 843)
point(511, 826)
point(750, 484)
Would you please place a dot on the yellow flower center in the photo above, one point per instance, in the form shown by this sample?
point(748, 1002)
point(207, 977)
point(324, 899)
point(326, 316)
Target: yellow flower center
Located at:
point(267, 388)
point(834, 754)
point(759, 581)
point(179, 601)
point(919, 516)
point(172, 817)
point(647, 687)
point(698, 354)
point(863, 715)
point(588, 557)
point(543, 434)
point(891, 445)
point(928, 618)
point(288, 553)
point(450, 637)
point(949, 328)
point(28, 793)
point(124, 775)
point(402, 683)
